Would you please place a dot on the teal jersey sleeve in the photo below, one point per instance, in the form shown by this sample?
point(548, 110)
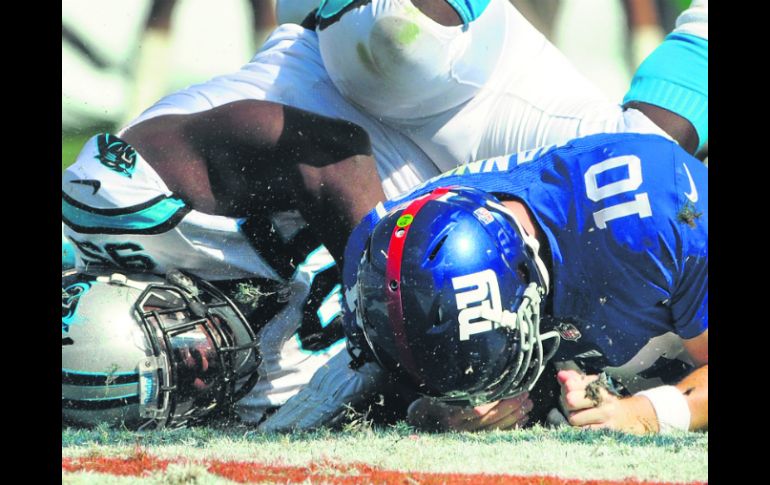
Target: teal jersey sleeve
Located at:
point(330, 8)
point(675, 77)
point(468, 10)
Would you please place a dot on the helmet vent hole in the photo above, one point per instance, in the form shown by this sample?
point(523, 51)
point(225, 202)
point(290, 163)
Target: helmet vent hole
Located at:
point(436, 249)
point(440, 317)
point(393, 285)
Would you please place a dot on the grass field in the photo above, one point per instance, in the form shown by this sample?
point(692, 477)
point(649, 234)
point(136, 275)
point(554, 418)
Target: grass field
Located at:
point(70, 147)
point(393, 455)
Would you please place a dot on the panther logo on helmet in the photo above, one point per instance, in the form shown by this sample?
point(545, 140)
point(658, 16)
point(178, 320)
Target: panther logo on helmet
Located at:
point(70, 297)
point(116, 154)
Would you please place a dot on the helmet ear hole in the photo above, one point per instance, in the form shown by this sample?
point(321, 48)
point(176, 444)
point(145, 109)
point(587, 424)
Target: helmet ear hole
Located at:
point(523, 272)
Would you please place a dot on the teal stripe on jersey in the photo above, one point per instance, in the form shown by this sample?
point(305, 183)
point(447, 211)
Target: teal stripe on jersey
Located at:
point(325, 316)
point(67, 253)
point(100, 374)
point(141, 220)
point(330, 8)
point(675, 77)
point(468, 10)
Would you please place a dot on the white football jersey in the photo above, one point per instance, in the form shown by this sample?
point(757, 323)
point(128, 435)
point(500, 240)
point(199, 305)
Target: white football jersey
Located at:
point(528, 96)
point(462, 93)
point(288, 70)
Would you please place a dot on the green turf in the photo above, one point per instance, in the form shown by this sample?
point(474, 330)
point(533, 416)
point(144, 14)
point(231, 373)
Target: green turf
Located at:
point(567, 452)
point(70, 147)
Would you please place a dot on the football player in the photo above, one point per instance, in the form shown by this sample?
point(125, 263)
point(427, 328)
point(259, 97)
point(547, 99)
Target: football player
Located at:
point(510, 90)
point(152, 207)
point(204, 161)
point(593, 254)
point(224, 195)
point(472, 80)
point(147, 352)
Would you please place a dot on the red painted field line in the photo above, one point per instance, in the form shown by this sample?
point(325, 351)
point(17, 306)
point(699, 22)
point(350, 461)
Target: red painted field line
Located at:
point(328, 472)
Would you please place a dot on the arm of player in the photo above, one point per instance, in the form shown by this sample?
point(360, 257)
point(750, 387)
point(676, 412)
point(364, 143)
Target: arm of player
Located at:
point(432, 415)
point(235, 155)
point(637, 413)
point(326, 164)
point(329, 394)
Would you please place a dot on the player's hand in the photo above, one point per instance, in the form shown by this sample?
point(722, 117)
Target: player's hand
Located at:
point(432, 415)
point(595, 407)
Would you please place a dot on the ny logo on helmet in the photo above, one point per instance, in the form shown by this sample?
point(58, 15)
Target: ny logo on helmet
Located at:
point(480, 296)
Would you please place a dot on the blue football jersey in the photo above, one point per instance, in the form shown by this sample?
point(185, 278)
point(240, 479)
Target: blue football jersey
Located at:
point(626, 218)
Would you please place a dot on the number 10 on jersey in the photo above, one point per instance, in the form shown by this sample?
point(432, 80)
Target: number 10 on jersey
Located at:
point(641, 203)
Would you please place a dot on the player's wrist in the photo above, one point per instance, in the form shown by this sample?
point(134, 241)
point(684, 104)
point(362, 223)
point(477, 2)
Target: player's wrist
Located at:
point(670, 406)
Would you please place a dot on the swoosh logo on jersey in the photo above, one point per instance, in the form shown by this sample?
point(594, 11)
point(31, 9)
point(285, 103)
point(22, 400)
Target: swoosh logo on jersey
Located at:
point(693, 194)
point(93, 183)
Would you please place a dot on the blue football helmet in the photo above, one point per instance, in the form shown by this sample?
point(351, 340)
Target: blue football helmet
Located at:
point(450, 292)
